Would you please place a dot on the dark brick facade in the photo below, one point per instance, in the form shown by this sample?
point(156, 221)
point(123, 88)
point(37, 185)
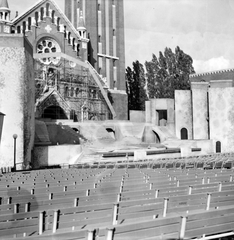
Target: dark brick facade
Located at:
point(63, 89)
point(104, 21)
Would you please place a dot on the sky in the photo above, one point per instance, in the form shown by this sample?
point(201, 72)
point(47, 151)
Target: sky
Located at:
point(204, 29)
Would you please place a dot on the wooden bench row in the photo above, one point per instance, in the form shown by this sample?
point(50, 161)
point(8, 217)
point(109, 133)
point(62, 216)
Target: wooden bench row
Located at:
point(14, 195)
point(111, 177)
point(81, 205)
point(177, 226)
point(96, 209)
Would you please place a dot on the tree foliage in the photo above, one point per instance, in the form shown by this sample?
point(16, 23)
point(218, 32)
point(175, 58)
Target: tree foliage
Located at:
point(135, 86)
point(169, 72)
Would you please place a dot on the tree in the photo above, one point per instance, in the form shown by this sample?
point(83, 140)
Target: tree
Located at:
point(167, 73)
point(135, 86)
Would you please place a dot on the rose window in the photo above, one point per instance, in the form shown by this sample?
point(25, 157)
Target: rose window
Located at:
point(48, 45)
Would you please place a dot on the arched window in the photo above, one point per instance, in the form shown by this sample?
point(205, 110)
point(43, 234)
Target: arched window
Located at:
point(73, 43)
point(24, 27)
point(18, 29)
point(78, 50)
point(218, 147)
point(69, 38)
point(184, 133)
point(48, 45)
point(66, 92)
point(42, 13)
point(73, 115)
point(94, 94)
point(36, 18)
point(47, 9)
point(58, 24)
point(72, 92)
point(52, 16)
point(77, 92)
point(65, 32)
point(29, 23)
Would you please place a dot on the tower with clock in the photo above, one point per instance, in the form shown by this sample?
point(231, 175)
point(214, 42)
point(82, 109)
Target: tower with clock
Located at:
point(5, 22)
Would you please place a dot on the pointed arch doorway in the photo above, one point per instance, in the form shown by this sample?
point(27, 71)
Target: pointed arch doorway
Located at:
point(54, 112)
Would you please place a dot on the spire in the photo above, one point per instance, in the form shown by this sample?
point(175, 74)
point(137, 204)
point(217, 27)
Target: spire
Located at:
point(5, 22)
point(4, 11)
point(4, 4)
point(81, 26)
point(81, 23)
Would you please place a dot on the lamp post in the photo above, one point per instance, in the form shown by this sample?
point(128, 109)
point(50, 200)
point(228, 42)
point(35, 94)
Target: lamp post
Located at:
point(15, 136)
point(1, 124)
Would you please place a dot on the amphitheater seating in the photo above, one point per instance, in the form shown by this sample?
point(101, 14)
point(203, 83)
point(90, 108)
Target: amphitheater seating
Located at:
point(148, 199)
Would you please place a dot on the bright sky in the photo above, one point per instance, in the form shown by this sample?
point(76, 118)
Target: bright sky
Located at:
point(204, 29)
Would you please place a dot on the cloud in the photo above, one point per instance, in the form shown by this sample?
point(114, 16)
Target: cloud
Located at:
point(211, 64)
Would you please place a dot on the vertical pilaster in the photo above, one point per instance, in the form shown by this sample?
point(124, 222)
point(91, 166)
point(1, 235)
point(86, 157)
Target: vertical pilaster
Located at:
point(200, 109)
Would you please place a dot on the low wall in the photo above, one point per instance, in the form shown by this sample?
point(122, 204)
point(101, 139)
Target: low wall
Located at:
point(54, 155)
point(205, 145)
point(137, 116)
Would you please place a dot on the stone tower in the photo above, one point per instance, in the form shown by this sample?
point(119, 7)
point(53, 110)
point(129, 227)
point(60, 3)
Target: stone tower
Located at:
point(5, 24)
point(104, 23)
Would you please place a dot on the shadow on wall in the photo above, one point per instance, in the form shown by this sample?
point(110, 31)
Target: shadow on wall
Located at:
point(90, 51)
point(61, 134)
point(40, 157)
point(111, 132)
point(157, 138)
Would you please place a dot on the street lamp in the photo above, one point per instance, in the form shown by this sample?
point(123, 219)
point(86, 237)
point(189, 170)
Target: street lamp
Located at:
point(1, 124)
point(15, 136)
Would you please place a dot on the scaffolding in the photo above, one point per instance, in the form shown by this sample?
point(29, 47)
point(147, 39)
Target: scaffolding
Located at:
point(78, 84)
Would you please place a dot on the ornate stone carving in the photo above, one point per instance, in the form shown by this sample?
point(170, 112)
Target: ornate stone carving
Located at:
point(48, 45)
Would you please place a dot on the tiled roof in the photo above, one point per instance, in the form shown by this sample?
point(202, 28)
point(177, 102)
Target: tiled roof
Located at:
point(57, 8)
point(211, 73)
point(4, 4)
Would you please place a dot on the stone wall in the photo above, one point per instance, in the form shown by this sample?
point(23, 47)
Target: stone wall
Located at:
point(29, 104)
point(151, 111)
point(16, 99)
point(137, 116)
point(183, 112)
point(221, 112)
point(56, 155)
point(200, 110)
point(120, 104)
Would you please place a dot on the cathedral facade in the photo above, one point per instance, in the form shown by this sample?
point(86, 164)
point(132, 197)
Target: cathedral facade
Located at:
point(72, 68)
point(104, 22)
point(65, 87)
